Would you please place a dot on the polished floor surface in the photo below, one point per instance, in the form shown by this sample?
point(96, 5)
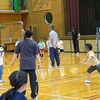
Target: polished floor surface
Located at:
point(65, 83)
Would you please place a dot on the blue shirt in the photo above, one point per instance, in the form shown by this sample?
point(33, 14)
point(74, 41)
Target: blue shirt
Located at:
point(28, 50)
point(16, 96)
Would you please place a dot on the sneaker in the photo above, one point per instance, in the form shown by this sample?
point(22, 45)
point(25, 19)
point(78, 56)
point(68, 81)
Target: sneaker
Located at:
point(51, 67)
point(1, 81)
point(77, 54)
point(35, 98)
point(57, 66)
point(87, 81)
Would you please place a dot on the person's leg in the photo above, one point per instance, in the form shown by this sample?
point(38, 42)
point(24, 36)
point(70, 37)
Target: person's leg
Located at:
point(33, 83)
point(89, 71)
point(1, 72)
point(56, 55)
point(77, 46)
point(74, 44)
point(52, 56)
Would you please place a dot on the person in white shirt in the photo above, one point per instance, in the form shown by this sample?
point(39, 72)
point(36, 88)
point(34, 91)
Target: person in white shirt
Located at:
point(16, 46)
point(1, 63)
point(60, 47)
point(48, 45)
point(53, 48)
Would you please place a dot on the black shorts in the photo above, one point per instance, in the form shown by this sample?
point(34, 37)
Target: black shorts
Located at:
point(61, 50)
point(93, 68)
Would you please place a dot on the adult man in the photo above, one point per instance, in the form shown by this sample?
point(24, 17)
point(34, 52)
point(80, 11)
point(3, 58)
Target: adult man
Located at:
point(76, 38)
point(29, 51)
point(53, 47)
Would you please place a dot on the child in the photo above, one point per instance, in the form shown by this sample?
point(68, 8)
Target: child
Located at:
point(60, 47)
point(41, 47)
point(18, 81)
point(48, 45)
point(16, 45)
point(1, 63)
point(91, 57)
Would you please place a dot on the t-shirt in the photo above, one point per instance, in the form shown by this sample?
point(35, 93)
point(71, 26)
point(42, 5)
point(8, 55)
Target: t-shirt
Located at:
point(1, 58)
point(48, 43)
point(41, 45)
point(94, 59)
point(28, 50)
point(75, 35)
point(60, 44)
point(53, 35)
point(16, 96)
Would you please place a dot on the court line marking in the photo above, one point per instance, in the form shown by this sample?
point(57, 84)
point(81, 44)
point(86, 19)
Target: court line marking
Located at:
point(55, 95)
point(77, 93)
point(67, 81)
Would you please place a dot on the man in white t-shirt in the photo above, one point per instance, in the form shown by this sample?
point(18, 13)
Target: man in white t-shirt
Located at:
point(53, 47)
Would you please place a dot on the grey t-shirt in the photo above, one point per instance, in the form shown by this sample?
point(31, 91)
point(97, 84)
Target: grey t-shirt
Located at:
point(53, 35)
point(28, 50)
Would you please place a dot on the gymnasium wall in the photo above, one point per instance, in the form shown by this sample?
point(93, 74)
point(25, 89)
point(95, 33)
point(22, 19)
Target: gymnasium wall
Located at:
point(5, 5)
point(37, 18)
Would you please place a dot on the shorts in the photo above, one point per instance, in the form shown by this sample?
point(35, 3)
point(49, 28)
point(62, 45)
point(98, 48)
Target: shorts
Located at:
point(93, 68)
point(41, 50)
point(60, 50)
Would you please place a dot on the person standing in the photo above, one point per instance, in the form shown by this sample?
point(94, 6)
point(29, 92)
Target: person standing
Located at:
point(29, 51)
point(76, 38)
point(53, 47)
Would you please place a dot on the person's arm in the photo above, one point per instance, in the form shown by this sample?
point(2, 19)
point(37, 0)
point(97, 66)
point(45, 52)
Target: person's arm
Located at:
point(87, 61)
point(39, 61)
point(5, 59)
point(52, 42)
point(78, 37)
point(14, 57)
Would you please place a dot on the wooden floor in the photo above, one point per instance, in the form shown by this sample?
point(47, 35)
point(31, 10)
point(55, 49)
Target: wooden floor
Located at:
point(65, 83)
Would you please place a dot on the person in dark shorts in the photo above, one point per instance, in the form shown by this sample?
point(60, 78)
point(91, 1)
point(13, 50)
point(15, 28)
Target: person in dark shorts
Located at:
point(18, 81)
point(29, 51)
point(90, 57)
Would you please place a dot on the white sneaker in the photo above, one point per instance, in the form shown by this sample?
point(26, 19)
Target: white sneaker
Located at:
point(57, 66)
point(51, 67)
point(87, 81)
point(77, 54)
point(35, 98)
point(1, 81)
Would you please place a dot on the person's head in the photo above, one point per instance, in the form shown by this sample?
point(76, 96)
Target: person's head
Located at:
point(1, 48)
point(48, 38)
point(28, 34)
point(51, 27)
point(88, 47)
point(41, 40)
point(18, 81)
point(73, 29)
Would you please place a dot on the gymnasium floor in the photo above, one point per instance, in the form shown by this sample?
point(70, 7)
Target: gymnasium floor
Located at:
point(65, 83)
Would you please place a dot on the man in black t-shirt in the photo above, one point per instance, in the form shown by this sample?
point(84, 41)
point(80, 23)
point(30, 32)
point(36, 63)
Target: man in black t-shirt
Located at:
point(76, 38)
point(29, 51)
